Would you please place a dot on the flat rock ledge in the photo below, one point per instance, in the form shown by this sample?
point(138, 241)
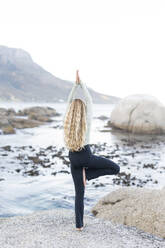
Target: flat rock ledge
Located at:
point(55, 228)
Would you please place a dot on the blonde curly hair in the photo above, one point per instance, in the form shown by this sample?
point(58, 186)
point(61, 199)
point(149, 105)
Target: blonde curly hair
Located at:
point(75, 125)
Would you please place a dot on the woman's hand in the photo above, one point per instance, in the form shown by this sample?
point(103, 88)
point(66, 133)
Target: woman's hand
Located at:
point(77, 77)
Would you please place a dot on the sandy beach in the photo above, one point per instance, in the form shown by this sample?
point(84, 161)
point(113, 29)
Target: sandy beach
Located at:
point(55, 228)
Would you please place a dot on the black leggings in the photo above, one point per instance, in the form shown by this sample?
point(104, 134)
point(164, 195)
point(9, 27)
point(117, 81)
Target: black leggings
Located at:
point(95, 166)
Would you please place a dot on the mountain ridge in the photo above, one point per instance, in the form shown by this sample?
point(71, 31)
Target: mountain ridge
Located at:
point(23, 80)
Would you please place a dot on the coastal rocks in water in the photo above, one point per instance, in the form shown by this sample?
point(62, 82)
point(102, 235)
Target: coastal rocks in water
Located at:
point(7, 112)
point(42, 118)
point(140, 207)
point(31, 161)
point(139, 114)
point(103, 117)
point(24, 123)
point(10, 120)
point(37, 110)
point(5, 126)
point(8, 130)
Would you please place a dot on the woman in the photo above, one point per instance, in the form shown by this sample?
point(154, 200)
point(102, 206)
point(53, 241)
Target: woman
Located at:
point(84, 164)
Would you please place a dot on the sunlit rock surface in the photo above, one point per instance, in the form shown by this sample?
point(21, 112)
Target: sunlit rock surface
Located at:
point(139, 114)
point(140, 207)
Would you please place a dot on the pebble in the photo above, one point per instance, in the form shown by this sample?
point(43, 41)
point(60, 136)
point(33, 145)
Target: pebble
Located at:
point(55, 228)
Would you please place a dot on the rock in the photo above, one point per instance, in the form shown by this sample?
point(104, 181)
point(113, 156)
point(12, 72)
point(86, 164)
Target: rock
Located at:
point(103, 117)
point(24, 123)
point(7, 112)
point(5, 126)
point(8, 130)
point(36, 117)
point(140, 207)
point(11, 111)
point(32, 172)
point(139, 114)
point(42, 118)
point(7, 148)
point(3, 121)
point(3, 111)
point(37, 110)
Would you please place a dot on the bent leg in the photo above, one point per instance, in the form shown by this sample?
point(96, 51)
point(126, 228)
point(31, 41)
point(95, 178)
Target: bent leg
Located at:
point(98, 162)
point(95, 173)
point(77, 175)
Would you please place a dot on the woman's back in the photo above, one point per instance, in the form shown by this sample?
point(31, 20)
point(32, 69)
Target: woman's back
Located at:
point(89, 107)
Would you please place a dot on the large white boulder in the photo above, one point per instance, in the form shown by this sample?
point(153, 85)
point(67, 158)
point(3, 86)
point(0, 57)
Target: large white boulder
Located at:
point(140, 207)
point(139, 113)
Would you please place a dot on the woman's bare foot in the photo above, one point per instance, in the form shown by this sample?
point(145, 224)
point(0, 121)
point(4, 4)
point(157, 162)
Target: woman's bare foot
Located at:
point(84, 177)
point(79, 229)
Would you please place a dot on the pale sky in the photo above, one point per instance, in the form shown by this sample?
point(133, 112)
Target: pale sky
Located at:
point(118, 46)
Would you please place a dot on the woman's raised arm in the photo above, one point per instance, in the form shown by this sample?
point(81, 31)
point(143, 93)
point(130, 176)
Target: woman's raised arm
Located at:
point(89, 102)
point(87, 95)
point(70, 97)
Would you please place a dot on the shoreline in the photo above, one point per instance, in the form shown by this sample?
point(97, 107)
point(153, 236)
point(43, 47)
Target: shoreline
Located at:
point(56, 228)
